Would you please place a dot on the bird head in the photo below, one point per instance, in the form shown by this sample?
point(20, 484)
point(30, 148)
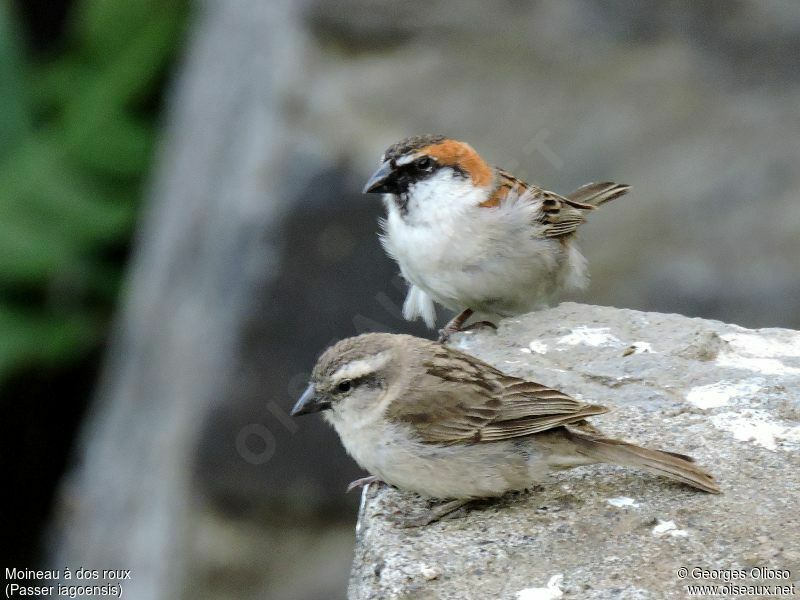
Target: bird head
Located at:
point(425, 162)
point(351, 377)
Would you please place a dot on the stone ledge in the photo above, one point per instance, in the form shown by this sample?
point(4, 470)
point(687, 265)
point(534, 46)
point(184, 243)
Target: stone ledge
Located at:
point(728, 396)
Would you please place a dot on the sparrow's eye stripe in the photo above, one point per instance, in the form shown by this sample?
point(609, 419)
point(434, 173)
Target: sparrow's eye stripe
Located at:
point(360, 368)
point(402, 161)
point(347, 385)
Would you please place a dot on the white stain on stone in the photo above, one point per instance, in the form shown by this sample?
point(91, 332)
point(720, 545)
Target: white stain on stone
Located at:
point(525, 350)
point(590, 336)
point(668, 528)
point(722, 392)
point(538, 347)
point(550, 592)
point(761, 352)
point(754, 425)
point(362, 507)
point(642, 348)
point(766, 366)
point(622, 502)
point(430, 573)
point(464, 342)
point(764, 346)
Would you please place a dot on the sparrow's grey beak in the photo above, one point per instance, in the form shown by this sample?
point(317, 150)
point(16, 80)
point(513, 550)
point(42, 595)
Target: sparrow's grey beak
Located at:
point(382, 181)
point(309, 403)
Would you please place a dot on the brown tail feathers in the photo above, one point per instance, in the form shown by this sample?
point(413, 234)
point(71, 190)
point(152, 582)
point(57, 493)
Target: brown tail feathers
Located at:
point(669, 464)
point(593, 195)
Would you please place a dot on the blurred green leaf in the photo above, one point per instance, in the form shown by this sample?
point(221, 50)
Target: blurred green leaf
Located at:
point(106, 28)
point(110, 141)
point(77, 134)
point(14, 118)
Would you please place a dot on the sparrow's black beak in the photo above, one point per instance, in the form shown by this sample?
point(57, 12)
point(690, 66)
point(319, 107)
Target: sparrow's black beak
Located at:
point(309, 403)
point(383, 181)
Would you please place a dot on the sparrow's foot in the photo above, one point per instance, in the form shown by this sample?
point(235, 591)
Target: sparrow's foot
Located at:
point(431, 516)
point(455, 325)
point(360, 483)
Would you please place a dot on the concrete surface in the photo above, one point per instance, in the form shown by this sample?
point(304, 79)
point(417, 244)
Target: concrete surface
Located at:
point(728, 396)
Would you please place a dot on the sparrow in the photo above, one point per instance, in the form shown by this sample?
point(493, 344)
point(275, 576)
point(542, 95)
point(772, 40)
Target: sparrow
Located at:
point(430, 419)
point(472, 237)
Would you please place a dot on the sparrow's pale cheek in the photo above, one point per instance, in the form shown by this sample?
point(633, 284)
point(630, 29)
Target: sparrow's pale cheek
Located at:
point(310, 402)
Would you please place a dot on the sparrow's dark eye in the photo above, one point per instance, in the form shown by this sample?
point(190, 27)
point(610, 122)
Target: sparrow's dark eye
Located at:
point(425, 163)
point(344, 386)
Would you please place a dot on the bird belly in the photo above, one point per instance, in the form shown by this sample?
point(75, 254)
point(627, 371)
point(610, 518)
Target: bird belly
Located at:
point(504, 268)
point(458, 471)
point(464, 471)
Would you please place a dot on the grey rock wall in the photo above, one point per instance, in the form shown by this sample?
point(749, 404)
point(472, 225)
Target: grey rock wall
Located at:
point(693, 103)
point(728, 396)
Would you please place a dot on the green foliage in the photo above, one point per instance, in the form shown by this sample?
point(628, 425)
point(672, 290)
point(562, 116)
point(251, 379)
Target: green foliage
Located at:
point(77, 134)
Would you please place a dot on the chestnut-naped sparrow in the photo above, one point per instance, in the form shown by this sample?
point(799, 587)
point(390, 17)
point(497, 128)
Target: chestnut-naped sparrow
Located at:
point(427, 418)
point(473, 237)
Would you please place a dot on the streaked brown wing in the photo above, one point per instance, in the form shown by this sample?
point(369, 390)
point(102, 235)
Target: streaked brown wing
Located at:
point(565, 214)
point(460, 399)
point(561, 216)
point(597, 194)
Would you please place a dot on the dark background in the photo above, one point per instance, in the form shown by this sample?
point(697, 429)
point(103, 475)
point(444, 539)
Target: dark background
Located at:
point(73, 176)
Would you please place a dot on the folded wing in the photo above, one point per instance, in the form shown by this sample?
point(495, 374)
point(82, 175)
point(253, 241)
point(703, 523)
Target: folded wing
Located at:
point(459, 399)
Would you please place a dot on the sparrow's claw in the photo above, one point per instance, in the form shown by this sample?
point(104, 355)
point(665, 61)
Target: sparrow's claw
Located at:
point(455, 325)
point(444, 334)
point(442, 511)
point(360, 483)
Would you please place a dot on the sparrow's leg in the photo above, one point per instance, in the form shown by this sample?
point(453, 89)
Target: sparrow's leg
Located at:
point(360, 483)
point(430, 516)
point(455, 324)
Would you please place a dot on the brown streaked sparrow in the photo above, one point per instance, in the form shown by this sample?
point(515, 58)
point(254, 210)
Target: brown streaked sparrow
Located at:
point(427, 418)
point(472, 237)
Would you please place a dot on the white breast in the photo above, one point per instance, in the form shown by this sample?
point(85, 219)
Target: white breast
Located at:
point(462, 255)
